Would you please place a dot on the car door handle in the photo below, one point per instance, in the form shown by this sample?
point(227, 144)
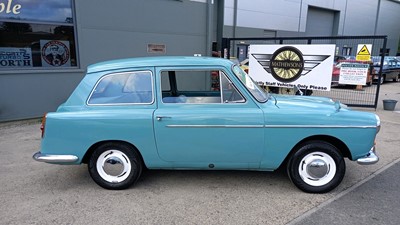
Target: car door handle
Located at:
point(159, 118)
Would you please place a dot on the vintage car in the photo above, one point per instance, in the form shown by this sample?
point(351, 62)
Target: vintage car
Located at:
point(390, 69)
point(201, 114)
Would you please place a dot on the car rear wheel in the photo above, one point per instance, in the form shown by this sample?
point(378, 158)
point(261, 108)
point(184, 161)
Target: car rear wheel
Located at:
point(115, 166)
point(316, 167)
point(397, 79)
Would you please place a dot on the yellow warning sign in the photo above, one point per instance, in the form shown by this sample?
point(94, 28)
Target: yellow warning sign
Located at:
point(364, 52)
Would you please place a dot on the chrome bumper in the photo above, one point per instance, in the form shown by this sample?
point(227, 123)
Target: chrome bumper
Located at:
point(38, 156)
point(370, 158)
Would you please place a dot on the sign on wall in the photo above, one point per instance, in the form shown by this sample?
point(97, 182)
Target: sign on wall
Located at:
point(55, 53)
point(364, 52)
point(156, 48)
point(15, 57)
point(305, 66)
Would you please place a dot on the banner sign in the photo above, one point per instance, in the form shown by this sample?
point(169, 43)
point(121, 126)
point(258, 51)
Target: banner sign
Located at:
point(15, 57)
point(353, 73)
point(55, 53)
point(306, 66)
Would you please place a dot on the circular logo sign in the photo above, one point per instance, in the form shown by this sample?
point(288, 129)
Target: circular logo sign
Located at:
point(287, 64)
point(55, 53)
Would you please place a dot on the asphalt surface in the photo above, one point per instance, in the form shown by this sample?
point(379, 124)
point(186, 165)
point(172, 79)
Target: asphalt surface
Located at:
point(39, 193)
point(376, 201)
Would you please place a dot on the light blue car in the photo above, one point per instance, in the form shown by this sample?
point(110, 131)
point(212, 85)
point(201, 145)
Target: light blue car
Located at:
point(201, 114)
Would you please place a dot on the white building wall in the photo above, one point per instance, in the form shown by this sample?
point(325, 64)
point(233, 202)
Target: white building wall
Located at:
point(289, 17)
point(283, 15)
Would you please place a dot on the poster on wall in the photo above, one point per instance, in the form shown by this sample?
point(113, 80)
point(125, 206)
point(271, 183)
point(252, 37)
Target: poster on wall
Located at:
point(15, 57)
point(55, 53)
point(306, 66)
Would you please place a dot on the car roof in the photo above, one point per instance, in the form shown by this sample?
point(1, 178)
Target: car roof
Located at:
point(158, 61)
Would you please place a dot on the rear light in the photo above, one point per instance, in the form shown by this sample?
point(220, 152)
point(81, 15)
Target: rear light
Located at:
point(43, 124)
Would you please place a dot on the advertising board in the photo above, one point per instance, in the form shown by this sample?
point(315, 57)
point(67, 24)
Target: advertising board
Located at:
point(306, 66)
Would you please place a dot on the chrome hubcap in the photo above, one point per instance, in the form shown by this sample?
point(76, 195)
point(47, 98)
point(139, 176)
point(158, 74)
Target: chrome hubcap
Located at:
point(317, 169)
point(113, 166)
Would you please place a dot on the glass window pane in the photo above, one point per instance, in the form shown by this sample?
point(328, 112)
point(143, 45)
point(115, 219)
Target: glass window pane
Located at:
point(27, 45)
point(199, 87)
point(59, 11)
point(124, 88)
point(229, 92)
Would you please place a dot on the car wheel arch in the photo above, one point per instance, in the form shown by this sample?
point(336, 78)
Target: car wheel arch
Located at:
point(92, 148)
point(340, 145)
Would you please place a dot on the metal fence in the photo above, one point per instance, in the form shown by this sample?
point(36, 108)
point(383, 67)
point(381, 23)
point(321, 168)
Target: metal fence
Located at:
point(346, 47)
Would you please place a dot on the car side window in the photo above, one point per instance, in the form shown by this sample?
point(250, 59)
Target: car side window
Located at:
point(123, 88)
point(198, 87)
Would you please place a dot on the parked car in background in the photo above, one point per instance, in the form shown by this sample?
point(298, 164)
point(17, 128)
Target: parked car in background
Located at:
point(390, 69)
point(338, 65)
point(166, 113)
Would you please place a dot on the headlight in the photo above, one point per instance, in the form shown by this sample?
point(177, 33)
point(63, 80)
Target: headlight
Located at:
point(378, 123)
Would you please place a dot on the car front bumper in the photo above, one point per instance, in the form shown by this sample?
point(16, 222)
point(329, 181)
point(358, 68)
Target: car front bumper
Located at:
point(48, 158)
point(370, 158)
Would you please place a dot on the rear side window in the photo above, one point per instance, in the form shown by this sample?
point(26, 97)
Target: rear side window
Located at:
point(123, 88)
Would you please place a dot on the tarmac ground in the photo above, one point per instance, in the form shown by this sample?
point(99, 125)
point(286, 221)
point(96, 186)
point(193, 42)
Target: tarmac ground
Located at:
point(39, 193)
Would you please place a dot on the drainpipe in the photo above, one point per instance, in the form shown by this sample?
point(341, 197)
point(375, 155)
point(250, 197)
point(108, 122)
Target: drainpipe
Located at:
point(235, 8)
point(377, 16)
point(301, 6)
point(209, 28)
point(220, 23)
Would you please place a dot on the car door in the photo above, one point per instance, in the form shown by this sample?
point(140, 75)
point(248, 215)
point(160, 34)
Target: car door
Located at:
point(204, 120)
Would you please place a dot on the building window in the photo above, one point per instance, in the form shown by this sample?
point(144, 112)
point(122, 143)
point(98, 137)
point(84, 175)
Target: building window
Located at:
point(346, 51)
point(37, 34)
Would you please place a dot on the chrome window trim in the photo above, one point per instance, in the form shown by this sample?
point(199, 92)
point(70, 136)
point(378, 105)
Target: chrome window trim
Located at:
point(122, 104)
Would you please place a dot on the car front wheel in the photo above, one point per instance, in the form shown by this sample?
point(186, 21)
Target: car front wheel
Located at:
point(115, 166)
point(316, 167)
